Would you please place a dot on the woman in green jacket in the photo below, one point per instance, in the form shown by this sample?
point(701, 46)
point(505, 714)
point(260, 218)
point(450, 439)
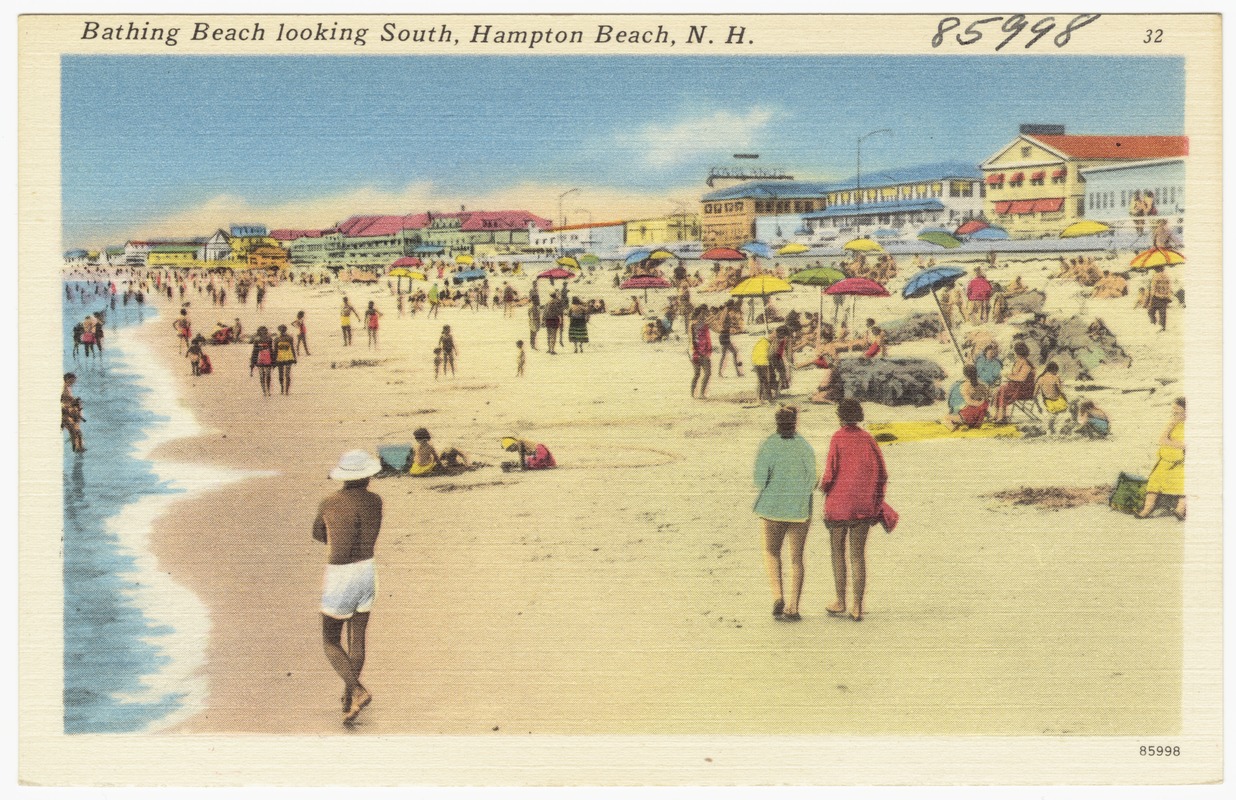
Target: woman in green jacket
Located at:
point(785, 475)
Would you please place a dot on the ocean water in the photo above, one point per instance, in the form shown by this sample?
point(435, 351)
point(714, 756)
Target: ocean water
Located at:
point(133, 639)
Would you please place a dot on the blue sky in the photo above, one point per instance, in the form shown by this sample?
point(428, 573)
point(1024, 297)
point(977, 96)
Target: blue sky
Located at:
point(174, 145)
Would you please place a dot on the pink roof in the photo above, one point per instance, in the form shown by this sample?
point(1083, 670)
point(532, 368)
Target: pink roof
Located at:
point(288, 234)
point(501, 220)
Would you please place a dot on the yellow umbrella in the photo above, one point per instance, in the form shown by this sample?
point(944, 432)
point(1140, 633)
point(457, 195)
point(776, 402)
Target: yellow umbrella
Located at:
point(793, 248)
point(660, 255)
point(568, 261)
point(761, 286)
point(1156, 257)
point(864, 245)
point(1086, 227)
point(467, 260)
point(401, 272)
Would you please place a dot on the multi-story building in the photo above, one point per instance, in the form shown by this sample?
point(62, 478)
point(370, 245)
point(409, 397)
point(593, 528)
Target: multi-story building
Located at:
point(137, 253)
point(1034, 183)
point(1110, 190)
point(604, 239)
point(171, 256)
point(729, 216)
point(216, 248)
point(904, 199)
point(114, 256)
point(668, 230)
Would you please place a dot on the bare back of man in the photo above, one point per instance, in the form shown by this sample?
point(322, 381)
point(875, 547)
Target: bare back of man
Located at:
point(348, 522)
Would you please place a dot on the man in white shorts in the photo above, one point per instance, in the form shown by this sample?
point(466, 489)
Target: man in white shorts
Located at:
point(348, 522)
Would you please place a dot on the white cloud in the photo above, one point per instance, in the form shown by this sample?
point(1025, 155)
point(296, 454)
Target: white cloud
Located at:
point(665, 144)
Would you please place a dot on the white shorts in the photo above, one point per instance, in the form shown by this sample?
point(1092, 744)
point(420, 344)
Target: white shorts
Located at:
point(348, 589)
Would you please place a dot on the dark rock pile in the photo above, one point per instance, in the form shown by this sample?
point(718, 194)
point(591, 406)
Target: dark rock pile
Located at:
point(1076, 345)
point(924, 325)
point(1030, 302)
point(890, 381)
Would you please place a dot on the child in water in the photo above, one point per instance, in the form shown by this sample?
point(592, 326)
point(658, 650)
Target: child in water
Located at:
point(437, 362)
point(520, 359)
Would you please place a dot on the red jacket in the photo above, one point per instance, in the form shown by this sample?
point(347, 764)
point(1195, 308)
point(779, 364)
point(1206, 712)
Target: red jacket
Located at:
point(854, 476)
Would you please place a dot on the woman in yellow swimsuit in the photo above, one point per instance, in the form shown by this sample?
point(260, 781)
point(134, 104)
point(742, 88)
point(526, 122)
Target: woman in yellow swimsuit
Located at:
point(1167, 477)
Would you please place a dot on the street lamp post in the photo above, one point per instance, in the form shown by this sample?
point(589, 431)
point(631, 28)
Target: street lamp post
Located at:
point(562, 217)
point(858, 178)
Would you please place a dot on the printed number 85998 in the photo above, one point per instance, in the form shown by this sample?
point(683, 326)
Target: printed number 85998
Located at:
point(1158, 750)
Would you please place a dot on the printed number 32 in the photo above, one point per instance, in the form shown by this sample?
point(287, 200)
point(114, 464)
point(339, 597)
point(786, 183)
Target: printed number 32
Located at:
point(1153, 36)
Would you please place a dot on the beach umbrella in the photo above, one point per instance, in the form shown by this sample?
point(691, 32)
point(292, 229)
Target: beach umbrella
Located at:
point(722, 254)
point(761, 286)
point(822, 277)
point(646, 282)
point(940, 238)
point(793, 249)
point(967, 228)
point(885, 233)
point(757, 249)
point(1086, 227)
point(589, 258)
point(567, 261)
point(399, 273)
point(469, 275)
point(864, 246)
point(855, 288)
point(660, 255)
point(637, 256)
point(556, 272)
point(1156, 257)
point(406, 261)
point(927, 282)
point(991, 233)
point(465, 260)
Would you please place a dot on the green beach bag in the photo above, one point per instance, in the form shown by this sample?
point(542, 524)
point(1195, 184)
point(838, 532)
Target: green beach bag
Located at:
point(1129, 494)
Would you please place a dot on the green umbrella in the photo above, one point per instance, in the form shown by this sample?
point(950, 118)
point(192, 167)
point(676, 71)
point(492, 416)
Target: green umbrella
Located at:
point(589, 258)
point(822, 277)
point(941, 238)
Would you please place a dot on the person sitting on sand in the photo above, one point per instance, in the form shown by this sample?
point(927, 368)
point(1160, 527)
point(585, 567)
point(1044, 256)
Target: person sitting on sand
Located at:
point(877, 347)
point(425, 460)
point(828, 388)
point(1092, 421)
point(1020, 385)
point(1016, 287)
point(1167, 477)
point(974, 395)
point(532, 455)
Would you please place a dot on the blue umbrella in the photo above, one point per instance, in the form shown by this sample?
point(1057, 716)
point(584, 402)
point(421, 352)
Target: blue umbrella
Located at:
point(638, 255)
point(886, 233)
point(990, 234)
point(758, 249)
point(469, 275)
point(927, 282)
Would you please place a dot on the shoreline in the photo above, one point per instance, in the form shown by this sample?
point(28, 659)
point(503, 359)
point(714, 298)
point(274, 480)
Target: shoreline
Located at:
point(610, 595)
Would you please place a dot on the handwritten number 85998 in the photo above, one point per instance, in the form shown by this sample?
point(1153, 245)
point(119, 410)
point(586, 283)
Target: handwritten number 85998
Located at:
point(1013, 26)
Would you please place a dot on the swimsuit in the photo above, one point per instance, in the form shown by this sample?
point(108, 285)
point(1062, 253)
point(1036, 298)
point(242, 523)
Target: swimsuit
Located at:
point(348, 589)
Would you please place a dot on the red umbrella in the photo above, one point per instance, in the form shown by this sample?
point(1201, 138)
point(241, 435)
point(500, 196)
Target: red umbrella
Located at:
point(723, 254)
point(646, 282)
point(406, 261)
point(970, 227)
point(556, 272)
point(856, 287)
point(861, 287)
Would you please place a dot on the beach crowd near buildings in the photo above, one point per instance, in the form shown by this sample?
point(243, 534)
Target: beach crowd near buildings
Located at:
point(518, 263)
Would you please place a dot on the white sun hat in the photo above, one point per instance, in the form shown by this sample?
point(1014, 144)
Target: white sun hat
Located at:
point(355, 465)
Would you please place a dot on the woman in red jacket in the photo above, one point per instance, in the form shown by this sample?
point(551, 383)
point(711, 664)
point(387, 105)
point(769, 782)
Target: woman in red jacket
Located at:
point(853, 484)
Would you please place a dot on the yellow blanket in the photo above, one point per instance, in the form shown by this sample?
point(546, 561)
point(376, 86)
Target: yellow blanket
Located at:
point(891, 432)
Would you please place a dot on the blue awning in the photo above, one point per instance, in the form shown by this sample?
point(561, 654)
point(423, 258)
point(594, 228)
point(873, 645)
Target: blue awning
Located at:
point(874, 209)
point(428, 248)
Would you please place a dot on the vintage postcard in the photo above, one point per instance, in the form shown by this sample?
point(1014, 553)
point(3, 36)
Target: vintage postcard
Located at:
point(620, 399)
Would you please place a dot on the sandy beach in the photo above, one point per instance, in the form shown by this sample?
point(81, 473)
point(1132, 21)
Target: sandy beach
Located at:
point(625, 591)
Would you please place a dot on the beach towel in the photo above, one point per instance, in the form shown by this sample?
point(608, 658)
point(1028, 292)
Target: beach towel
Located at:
point(894, 432)
point(394, 456)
